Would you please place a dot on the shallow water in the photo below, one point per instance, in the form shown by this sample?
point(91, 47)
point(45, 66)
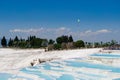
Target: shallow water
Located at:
point(66, 72)
point(106, 55)
point(72, 69)
point(5, 76)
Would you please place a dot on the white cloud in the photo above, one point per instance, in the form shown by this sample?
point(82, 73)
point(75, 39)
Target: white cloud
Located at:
point(88, 31)
point(91, 33)
point(103, 31)
point(63, 29)
point(55, 32)
point(42, 32)
point(26, 30)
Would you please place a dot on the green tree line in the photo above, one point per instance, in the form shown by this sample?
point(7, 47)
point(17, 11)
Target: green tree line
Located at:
point(30, 42)
point(61, 42)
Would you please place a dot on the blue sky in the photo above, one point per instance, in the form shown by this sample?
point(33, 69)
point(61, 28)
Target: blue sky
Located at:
point(90, 20)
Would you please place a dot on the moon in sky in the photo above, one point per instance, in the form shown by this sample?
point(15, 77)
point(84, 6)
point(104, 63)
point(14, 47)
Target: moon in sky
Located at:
point(78, 20)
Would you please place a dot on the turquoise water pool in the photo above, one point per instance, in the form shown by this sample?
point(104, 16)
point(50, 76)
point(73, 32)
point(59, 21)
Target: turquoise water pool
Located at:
point(6, 76)
point(72, 69)
point(106, 55)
